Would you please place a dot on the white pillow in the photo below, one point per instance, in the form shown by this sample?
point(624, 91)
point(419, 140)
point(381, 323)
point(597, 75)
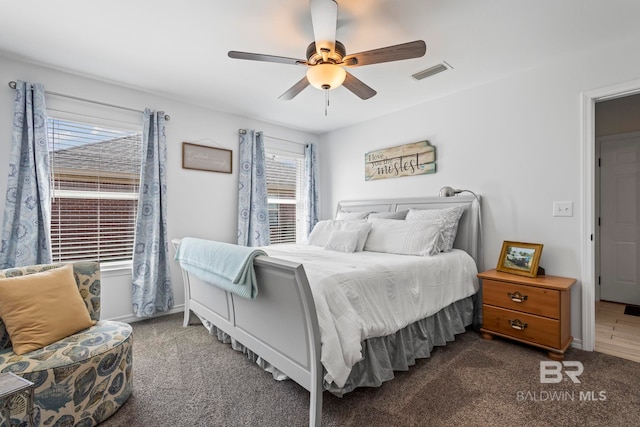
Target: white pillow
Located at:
point(363, 227)
point(349, 216)
point(449, 218)
point(319, 236)
point(322, 231)
point(403, 237)
point(343, 241)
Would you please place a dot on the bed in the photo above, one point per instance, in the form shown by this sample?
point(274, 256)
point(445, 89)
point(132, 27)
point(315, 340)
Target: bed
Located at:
point(281, 328)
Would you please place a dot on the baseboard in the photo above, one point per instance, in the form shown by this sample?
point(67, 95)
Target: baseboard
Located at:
point(577, 343)
point(130, 318)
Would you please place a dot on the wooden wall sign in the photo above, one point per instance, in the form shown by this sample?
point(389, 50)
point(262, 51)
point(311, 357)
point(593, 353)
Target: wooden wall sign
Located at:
point(205, 158)
point(404, 160)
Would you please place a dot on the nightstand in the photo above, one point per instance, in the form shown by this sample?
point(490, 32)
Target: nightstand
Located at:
point(531, 310)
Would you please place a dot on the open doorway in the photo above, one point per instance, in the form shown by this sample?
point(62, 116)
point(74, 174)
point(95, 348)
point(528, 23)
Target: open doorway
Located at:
point(617, 232)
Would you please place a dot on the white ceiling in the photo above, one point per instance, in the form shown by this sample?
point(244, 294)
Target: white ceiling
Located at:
point(179, 49)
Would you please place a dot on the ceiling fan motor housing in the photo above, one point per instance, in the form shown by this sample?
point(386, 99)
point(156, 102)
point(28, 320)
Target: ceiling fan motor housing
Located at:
point(335, 57)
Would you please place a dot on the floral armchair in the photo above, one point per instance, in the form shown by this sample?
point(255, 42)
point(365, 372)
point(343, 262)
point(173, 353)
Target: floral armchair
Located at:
point(79, 380)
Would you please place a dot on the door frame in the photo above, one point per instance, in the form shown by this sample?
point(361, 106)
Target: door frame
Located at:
point(588, 188)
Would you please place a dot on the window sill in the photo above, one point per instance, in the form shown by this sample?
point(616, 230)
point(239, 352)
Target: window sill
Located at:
point(117, 268)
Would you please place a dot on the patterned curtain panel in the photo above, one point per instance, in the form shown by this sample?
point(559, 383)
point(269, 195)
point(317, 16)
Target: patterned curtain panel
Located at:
point(311, 205)
point(26, 238)
point(152, 290)
point(253, 206)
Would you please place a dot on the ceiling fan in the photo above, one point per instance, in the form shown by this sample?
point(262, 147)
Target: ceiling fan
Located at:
point(327, 57)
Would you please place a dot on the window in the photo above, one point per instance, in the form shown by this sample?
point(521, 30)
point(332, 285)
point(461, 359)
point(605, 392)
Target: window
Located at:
point(284, 189)
point(95, 176)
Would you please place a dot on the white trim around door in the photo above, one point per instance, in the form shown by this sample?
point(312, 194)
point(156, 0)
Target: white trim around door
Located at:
point(589, 100)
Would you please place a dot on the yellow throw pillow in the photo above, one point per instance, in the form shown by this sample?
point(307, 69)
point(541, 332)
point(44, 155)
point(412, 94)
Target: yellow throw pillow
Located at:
point(41, 308)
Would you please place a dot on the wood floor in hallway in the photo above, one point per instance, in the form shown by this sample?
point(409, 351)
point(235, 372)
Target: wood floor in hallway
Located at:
point(617, 333)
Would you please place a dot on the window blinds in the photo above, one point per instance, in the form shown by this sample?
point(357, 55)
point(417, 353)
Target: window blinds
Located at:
point(95, 176)
point(284, 190)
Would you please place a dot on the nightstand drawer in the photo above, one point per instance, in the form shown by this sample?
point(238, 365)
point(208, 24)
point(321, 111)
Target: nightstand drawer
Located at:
point(529, 299)
point(540, 330)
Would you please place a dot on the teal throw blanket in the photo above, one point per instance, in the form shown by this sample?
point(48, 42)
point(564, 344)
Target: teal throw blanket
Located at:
point(227, 266)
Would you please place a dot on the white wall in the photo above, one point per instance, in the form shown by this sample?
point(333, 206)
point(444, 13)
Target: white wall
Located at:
point(515, 141)
point(202, 204)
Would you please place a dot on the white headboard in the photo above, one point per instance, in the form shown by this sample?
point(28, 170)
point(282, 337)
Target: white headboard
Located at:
point(469, 232)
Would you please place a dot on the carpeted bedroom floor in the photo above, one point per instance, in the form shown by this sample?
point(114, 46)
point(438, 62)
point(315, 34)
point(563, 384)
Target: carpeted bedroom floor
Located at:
point(185, 377)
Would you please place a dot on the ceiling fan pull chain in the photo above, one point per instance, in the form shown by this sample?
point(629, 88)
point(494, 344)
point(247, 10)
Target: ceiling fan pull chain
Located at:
point(326, 101)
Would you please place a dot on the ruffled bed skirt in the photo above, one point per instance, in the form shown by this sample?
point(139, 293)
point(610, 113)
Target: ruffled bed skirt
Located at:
point(383, 355)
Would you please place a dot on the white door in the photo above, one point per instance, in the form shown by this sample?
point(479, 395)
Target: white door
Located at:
point(619, 221)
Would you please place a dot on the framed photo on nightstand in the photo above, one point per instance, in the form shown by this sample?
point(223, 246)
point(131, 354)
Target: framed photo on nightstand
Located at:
point(520, 258)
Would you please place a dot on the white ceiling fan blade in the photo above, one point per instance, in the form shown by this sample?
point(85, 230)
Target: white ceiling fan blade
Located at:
point(324, 17)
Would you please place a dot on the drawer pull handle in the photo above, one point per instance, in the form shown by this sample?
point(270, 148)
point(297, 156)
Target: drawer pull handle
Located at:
point(518, 324)
point(517, 297)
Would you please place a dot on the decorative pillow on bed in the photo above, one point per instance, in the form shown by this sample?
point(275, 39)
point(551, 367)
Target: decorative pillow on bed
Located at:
point(349, 216)
point(449, 218)
point(343, 241)
point(404, 237)
point(322, 231)
point(389, 215)
point(319, 236)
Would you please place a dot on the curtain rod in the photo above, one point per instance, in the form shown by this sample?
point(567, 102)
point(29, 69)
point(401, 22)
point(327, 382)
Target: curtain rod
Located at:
point(12, 85)
point(244, 131)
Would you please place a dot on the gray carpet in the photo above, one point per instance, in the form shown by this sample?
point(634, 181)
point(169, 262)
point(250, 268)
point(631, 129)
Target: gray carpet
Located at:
point(185, 377)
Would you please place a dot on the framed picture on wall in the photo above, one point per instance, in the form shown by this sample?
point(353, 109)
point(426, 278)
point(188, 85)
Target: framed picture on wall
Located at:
point(520, 258)
point(205, 158)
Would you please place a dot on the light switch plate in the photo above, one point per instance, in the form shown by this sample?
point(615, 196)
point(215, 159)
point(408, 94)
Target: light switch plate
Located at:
point(562, 208)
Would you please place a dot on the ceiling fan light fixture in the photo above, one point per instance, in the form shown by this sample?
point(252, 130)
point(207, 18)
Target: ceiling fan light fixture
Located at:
point(326, 56)
point(326, 76)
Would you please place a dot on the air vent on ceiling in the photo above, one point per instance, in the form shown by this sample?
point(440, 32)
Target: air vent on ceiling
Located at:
point(429, 72)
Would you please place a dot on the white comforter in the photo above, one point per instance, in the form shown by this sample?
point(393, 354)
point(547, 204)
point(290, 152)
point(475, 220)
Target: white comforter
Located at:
point(370, 294)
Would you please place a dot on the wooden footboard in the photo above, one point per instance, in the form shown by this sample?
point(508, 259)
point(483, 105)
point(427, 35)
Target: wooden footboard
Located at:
point(280, 324)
